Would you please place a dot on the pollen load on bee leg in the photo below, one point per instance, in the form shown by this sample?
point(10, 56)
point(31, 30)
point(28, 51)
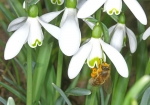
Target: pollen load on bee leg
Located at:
point(99, 75)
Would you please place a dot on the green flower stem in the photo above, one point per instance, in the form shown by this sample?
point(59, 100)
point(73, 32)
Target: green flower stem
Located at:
point(141, 54)
point(59, 71)
point(107, 99)
point(29, 76)
point(98, 14)
point(92, 100)
point(102, 96)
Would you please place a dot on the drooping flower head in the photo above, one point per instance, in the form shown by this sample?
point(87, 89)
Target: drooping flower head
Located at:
point(94, 52)
point(70, 35)
point(28, 29)
point(118, 34)
point(112, 6)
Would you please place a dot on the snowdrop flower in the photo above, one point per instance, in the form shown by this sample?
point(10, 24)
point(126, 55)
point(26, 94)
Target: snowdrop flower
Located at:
point(112, 6)
point(10, 101)
point(118, 34)
point(146, 34)
point(70, 35)
point(94, 51)
point(28, 29)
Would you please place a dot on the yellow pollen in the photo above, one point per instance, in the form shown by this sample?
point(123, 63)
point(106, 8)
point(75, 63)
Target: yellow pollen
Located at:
point(97, 71)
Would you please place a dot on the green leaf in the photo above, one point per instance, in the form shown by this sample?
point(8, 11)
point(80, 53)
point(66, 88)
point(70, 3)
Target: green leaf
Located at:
point(73, 83)
point(120, 90)
point(20, 65)
point(106, 33)
point(40, 70)
point(49, 89)
point(31, 2)
point(147, 71)
point(17, 7)
point(78, 92)
point(17, 86)
point(114, 17)
point(146, 97)
point(91, 19)
point(62, 94)
point(6, 12)
point(135, 90)
point(2, 100)
point(60, 101)
point(48, 5)
point(15, 92)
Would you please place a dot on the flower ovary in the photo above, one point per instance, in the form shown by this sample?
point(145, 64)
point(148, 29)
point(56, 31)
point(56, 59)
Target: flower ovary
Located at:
point(33, 11)
point(97, 31)
point(71, 3)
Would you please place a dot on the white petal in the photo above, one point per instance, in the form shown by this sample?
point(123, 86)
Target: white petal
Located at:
point(10, 101)
point(80, 3)
point(63, 19)
point(35, 37)
point(78, 60)
point(17, 23)
point(132, 40)
point(89, 7)
point(24, 5)
point(116, 58)
point(117, 37)
point(104, 57)
point(137, 10)
point(113, 6)
point(70, 37)
point(111, 29)
point(90, 24)
point(16, 41)
point(146, 34)
point(53, 30)
point(96, 52)
point(50, 16)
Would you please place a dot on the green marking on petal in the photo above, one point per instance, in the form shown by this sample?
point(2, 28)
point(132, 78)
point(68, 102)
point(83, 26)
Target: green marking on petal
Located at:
point(59, 2)
point(92, 61)
point(112, 10)
point(37, 42)
point(53, 1)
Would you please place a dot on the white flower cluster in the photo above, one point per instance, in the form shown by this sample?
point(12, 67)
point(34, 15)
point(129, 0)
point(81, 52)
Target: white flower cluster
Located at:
point(28, 29)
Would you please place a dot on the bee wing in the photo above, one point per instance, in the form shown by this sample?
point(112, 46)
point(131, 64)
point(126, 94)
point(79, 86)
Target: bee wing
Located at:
point(107, 86)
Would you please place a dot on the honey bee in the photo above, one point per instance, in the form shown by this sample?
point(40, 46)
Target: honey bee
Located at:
point(101, 76)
